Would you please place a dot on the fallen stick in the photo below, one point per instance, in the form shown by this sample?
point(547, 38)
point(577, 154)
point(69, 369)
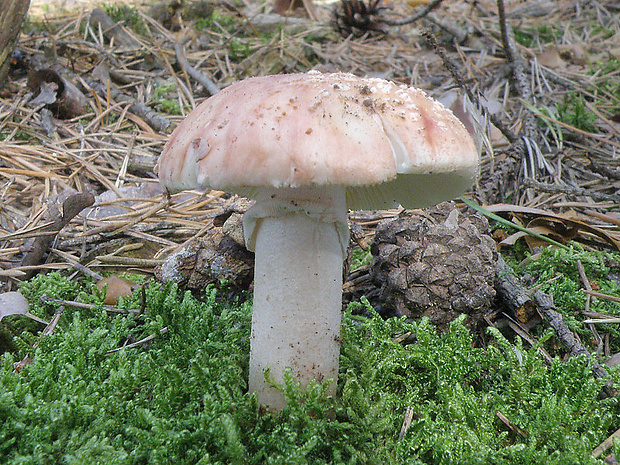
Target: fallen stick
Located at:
point(113, 31)
point(606, 444)
point(517, 298)
point(83, 306)
point(197, 75)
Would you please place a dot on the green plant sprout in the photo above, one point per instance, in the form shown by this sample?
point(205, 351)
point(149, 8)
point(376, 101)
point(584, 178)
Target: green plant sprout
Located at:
point(543, 34)
point(574, 112)
point(360, 258)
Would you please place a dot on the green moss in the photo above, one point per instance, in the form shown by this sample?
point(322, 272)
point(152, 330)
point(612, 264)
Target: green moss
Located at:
point(555, 271)
point(217, 20)
point(127, 15)
point(171, 107)
point(34, 25)
point(19, 136)
point(544, 34)
point(182, 397)
point(606, 72)
point(165, 98)
point(239, 49)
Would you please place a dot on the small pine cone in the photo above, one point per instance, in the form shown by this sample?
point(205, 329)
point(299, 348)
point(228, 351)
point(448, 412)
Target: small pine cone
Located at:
point(359, 17)
point(437, 263)
point(213, 259)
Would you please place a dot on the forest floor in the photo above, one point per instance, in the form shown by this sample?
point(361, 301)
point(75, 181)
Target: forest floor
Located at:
point(540, 81)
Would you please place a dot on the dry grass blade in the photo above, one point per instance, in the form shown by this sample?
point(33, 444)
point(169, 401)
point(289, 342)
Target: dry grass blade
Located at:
point(140, 342)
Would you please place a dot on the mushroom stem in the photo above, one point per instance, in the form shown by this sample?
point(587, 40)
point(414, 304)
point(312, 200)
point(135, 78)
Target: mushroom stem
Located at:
point(297, 235)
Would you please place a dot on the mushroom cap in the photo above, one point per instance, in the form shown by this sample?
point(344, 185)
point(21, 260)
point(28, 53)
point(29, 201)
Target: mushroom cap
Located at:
point(389, 144)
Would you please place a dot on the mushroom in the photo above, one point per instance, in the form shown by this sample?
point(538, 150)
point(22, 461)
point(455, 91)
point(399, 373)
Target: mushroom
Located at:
point(307, 147)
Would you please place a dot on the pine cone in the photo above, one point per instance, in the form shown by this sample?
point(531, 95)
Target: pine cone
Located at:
point(213, 259)
point(358, 17)
point(437, 263)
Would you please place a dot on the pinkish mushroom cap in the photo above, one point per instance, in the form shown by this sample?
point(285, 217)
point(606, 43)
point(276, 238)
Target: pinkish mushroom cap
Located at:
point(389, 144)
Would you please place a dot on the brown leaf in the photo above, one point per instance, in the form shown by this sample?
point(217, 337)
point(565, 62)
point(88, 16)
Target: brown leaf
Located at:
point(567, 226)
point(62, 97)
point(75, 204)
point(574, 53)
point(536, 243)
point(614, 52)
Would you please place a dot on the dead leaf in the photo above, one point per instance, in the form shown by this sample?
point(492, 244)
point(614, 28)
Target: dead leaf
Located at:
point(47, 94)
point(562, 227)
point(58, 94)
point(614, 52)
point(550, 57)
point(547, 231)
point(574, 53)
point(454, 101)
point(534, 242)
point(13, 303)
point(416, 3)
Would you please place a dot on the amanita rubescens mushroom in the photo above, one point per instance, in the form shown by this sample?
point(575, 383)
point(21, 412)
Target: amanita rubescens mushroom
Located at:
point(307, 147)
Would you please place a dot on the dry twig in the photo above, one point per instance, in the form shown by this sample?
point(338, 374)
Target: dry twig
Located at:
point(515, 296)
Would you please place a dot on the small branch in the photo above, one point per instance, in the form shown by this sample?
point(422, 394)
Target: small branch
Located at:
point(606, 444)
point(71, 303)
point(425, 11)
point(602, 296)
point(115, 32)
point(140, 342)
point(431, 40)
point(49, 329)
point(406, 423)
point(158, 122)
point(129, 261)
point(77, 265)
point(525, 335)
point(506, 36)
point(515, 59)
point(527, 147)
point(544, 303)
point(587, 287)
point(42, 244)
point(604, 170)
point(515, 429)
point(602, 321)
point(517, 297)
point(197, 75)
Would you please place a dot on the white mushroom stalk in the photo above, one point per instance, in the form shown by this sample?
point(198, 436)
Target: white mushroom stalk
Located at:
point(307, 147)
point(300, 238)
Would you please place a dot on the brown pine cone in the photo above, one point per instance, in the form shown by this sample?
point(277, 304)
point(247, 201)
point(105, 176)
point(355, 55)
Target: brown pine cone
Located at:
point(436, 262)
